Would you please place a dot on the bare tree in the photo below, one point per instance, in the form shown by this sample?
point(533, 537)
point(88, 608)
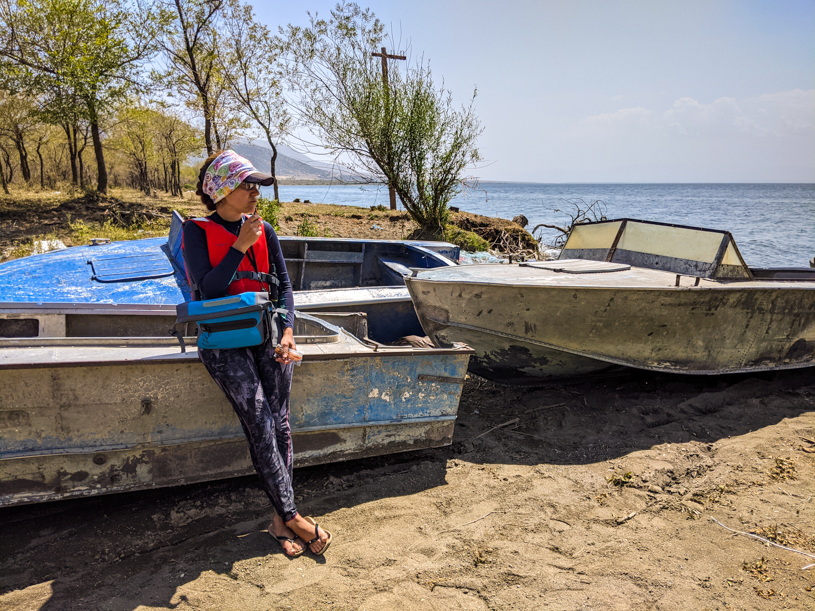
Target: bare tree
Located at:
point(251, 67)
point(190, 43)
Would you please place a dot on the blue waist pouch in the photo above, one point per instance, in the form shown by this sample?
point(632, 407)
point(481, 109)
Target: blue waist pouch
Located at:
point(237, 321)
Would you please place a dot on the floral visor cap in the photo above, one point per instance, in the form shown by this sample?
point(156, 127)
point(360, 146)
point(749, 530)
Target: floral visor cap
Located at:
point(227, 171)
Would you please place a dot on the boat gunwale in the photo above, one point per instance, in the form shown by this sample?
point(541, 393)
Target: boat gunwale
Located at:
point(192, 357)
point(711, 284)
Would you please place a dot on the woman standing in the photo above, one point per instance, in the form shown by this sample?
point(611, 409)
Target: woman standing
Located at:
point(257, 383)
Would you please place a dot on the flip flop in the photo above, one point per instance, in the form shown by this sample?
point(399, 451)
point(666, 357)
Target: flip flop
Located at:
point(282, 539)
point(317, 537)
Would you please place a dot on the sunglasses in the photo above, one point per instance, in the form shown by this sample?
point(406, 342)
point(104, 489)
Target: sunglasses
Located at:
point(250, 186)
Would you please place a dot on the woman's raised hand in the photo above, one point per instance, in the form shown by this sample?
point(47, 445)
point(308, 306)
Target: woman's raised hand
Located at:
point(251, 230)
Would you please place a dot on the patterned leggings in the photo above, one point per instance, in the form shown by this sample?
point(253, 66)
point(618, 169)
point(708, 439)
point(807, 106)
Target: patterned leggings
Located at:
point(258, 388)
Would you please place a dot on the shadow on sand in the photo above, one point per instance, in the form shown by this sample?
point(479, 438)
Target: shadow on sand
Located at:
point(76, 552)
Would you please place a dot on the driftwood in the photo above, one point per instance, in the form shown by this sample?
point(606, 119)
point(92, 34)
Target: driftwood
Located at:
point(581, 213)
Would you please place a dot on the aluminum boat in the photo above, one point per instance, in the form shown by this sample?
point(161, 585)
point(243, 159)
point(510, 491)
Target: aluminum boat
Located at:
point(623, 292)
point(83, 415)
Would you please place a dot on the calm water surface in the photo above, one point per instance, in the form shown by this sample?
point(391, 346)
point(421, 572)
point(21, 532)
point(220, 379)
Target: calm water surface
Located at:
point(773, 224)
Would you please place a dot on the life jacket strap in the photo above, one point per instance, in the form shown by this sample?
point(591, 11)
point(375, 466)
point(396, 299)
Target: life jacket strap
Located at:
point(257, 276)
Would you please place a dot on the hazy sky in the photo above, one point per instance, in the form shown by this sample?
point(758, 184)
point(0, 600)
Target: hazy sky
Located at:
point(620, 91)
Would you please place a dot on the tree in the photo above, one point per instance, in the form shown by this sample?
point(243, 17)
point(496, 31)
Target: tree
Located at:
point(177, 140)
point(156, 142)
point(191, 46)
point(16, 122)
point(86, 51)
point(406, 132)
point(134, 136)
point(251, 67)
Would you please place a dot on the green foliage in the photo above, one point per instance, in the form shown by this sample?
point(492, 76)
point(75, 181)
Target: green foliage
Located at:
point(78, 57)
point(466, 240)
point(306, 228)
point(269, 209)
point(379, 207)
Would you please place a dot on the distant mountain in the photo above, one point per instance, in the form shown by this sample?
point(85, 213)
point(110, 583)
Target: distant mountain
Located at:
point(285, 166)
point(338, 172)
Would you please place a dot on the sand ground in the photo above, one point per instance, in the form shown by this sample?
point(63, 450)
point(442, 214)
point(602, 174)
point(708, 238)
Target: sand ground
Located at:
point(599, 494)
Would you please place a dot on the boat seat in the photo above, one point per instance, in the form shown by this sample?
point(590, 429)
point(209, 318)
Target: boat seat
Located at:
point(393, 271)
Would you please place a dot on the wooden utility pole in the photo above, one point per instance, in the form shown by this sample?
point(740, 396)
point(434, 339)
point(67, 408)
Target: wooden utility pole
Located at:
point(385, 57)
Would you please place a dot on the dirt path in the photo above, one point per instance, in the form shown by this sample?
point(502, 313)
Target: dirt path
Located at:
point(600, 496)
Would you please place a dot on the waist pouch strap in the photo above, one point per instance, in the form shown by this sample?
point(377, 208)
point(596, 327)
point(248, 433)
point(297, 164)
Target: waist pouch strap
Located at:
point(231, 327)
point(275, 324)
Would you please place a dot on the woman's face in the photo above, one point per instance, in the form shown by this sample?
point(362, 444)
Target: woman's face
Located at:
point(241, 200)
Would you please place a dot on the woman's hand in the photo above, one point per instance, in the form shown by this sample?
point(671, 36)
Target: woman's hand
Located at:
point(286, 344)
point(251, 230)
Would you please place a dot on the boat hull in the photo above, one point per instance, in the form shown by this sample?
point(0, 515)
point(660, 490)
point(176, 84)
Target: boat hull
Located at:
point(524, 333)
point(123, 415)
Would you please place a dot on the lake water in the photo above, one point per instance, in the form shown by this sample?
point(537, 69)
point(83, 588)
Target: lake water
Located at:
point(773, 224)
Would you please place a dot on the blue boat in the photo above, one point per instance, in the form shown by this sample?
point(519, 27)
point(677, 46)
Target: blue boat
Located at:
point(327, 274)
point(96, 397)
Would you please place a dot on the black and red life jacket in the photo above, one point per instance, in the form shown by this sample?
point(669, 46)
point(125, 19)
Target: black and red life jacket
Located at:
point(253, 274)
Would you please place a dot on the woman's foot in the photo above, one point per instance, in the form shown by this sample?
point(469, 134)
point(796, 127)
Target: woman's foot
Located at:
point(308, 531)
point(292, 544)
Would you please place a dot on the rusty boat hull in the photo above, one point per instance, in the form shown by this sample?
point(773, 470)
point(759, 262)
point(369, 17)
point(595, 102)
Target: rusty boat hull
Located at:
point(82, 416)
point(690, 312)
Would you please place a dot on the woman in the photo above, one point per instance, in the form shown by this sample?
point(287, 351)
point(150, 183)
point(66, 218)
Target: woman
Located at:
point(256, 382)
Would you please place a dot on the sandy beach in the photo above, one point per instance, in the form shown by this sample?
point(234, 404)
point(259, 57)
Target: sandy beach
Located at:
point(593, 494)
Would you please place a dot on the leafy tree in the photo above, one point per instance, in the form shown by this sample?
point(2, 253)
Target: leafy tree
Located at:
point(135, 137)
point(176, 141)
point(44, 136)
point(406, 132)
point(156, 142)
point(82, 54)
point(251, 68)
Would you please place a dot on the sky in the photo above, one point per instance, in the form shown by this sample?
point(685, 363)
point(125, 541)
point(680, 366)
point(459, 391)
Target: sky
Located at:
point(618, 91)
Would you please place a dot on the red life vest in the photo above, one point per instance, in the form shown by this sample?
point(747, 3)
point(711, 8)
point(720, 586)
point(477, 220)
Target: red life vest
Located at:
point(220, 240)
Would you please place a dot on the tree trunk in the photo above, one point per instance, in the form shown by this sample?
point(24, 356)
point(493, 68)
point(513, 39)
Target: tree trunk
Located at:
point(218, 143)
point(3, 180)
point(70, 133)
point(23, 153)
point(178, 177)
point(102, 172)
point(81, 165)
point(208, 134)
point(272, 168)
point(42, 166)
